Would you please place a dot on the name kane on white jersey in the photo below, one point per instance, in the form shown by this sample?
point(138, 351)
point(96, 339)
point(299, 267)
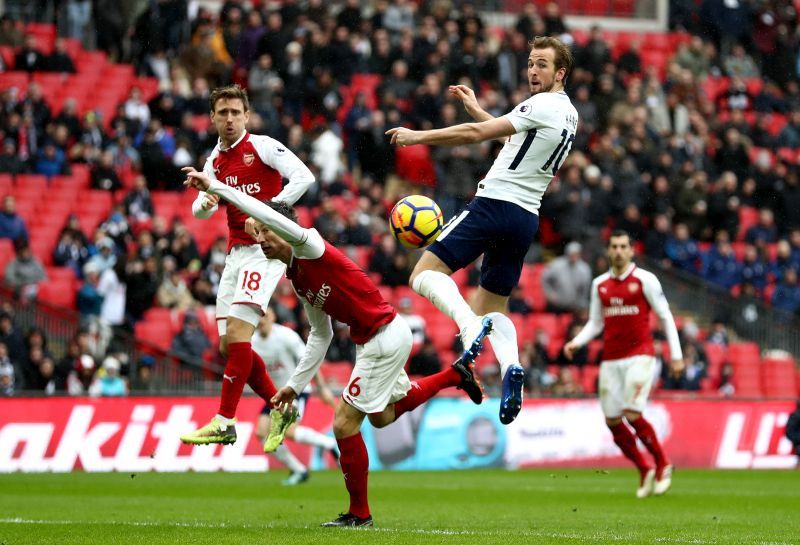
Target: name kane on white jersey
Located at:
point(546, 125)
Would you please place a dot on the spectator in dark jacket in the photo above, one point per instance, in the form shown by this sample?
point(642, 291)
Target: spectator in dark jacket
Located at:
point(191, 342)
point(683, 250)
point(12, 226)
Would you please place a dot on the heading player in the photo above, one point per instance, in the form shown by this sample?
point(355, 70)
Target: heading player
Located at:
point(621, 300)
point(502, 219)
point(255, 165)
point(281, 348)
point(332, 286)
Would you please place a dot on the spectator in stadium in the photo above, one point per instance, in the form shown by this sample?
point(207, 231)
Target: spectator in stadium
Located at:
point(793, 431)
point(81, 377)
point(90, 301)
point(490, 380)
point(655, 240)
point(739, 64)
point(719, 263)
point(104, 174)
point(139, 202)
point(786, 297)
point(342, 347)
point(724, 204)
point(12, 226)
point(104, 256)
point(24, 272)
point(754, 268)
point(59, 60)
point(7, 373)
point(40, 372)
point(426, 361)
point(566, 281)
point(725, 384)
point(191, 342)
point(356, 231)
point(144, 381)
point(765, 231)
point(10, 33)
point(683, 250)
point(108, 382)
point(173, 291)
point(518, 303)
point(566, 385)
point(11, 337)
point(30, 58)
point(415, 322)
point(50, 160)
point(10, 161)
point(143, 282)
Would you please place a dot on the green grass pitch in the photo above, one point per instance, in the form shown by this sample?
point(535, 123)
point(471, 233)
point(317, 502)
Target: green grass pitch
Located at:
point(472, 507)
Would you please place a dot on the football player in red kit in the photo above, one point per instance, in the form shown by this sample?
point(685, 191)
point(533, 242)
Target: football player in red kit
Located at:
point(332, 286)
point(621, 301)
point(256, 165)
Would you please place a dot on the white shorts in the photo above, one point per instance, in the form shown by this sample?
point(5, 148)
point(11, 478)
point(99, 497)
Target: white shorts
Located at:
point(379, 377)
point(625, 384)
point(246, 286)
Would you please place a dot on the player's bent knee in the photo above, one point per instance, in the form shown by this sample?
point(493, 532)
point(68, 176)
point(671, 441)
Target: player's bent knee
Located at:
point(611, 422)
point(632, 416)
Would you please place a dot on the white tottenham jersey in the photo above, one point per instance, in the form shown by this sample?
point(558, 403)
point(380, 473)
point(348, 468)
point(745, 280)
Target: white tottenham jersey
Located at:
point(546, 125)
point(281, 350)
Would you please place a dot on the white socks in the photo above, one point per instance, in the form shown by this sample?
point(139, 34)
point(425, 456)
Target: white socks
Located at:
point(224, 420)
point(504, 341)
point(443, 292)
point(304, 434)
point(289, 460)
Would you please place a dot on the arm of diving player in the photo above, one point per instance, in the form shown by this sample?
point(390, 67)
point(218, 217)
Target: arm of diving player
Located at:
point(319, 339)
point(205, 205)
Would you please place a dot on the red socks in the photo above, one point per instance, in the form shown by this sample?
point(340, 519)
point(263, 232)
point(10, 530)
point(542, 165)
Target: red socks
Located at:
point(260, 381)
point(355, 467)
point(626, 441)
point(647, 434)
point(424, 389)
point(235, 376)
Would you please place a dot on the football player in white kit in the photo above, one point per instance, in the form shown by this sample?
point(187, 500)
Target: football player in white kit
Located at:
point(281, 348)
point(621, 301)
point(502, 219)
point(255, 165)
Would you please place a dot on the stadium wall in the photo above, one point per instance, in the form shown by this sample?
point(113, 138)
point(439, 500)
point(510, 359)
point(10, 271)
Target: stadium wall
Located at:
point(141, 434)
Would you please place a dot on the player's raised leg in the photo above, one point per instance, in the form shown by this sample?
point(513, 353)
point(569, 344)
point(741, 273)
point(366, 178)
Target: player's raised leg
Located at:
point(298, 471)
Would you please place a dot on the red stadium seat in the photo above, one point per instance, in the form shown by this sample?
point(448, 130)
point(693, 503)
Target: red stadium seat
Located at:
point(16, 79)
point(778, 377)
point(7, 252)
point(589, 376)
point(415, 165)
point(154, 333)
point(715, 355)
point(59, 293)
point(748, 217)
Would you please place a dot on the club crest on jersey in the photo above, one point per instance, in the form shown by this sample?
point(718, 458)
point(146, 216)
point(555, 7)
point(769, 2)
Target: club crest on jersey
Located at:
point(248, 159)
point(633, 288)
point(523, 108)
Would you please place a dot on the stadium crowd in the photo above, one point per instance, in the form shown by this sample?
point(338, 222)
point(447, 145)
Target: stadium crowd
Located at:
point(678, 152)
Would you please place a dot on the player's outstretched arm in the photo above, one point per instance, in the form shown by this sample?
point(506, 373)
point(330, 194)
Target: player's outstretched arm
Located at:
point(465, 133)
point(654, 294)
point(319, 338)
point(283, 227)
point(276, 155)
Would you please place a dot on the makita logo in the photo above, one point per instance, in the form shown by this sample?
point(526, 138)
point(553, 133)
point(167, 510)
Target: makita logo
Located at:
point(318, 299)
point(755, 441)
point(128, 440)
point(250, 189)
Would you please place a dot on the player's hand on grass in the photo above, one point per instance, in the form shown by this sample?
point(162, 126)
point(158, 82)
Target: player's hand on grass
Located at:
point(402, 136)
point(196, 179)
point(284, 398)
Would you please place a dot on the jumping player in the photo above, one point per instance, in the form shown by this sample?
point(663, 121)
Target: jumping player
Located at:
point(621, 300)
point(502, 219)
point(332, 286)
point(281, 348)
point(254, 165)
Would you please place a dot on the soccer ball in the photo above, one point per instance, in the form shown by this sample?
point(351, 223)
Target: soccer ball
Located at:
point(416, 221)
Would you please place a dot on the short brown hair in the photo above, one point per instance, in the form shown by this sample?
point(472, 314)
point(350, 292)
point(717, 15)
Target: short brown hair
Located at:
point(229, 92)
point(563, 54)
point(616, 233)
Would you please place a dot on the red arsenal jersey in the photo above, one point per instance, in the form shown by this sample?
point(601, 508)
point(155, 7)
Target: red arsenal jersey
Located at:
point(626, 314)
point(338, 287)
point(241, 166)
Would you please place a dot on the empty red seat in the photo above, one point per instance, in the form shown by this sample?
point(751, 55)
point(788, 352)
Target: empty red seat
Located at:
point(747, 353)
point(589, 376)
point(778, 377)
point(60, 292)
point(415, 165)
point(154, 333)
point(16, 78)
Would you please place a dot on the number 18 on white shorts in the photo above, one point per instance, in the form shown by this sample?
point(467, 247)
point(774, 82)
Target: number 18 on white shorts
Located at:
point(248, 281)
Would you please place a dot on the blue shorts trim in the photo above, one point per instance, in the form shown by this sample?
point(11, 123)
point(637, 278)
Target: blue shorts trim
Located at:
point(500, 230)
